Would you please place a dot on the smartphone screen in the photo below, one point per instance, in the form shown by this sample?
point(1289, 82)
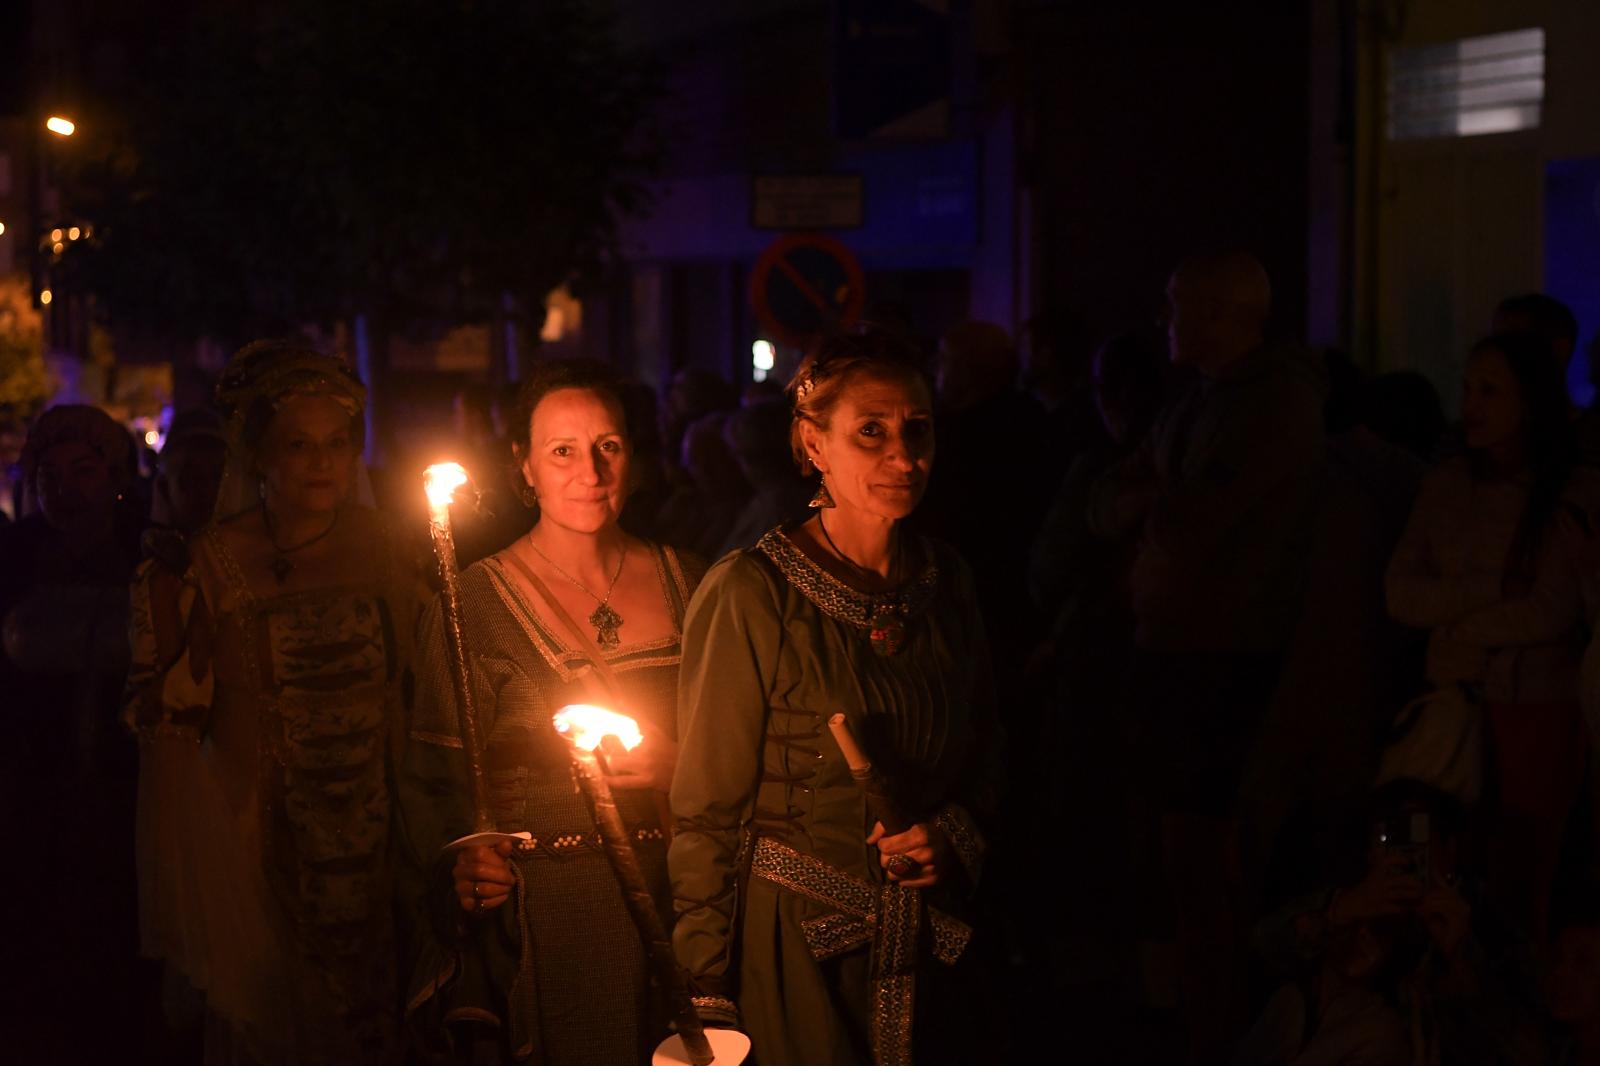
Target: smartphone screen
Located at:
point(1406, 837)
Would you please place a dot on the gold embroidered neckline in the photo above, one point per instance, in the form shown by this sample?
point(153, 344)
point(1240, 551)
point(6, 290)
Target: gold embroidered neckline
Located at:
point(555, 647)
point(233, 575)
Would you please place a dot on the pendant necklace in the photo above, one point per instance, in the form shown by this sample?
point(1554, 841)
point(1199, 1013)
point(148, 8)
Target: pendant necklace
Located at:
point(606, 621)
point(280, 566)
point(887, 627)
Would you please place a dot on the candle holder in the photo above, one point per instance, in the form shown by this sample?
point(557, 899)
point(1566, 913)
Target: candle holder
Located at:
point(877, 792)
point(440, 482)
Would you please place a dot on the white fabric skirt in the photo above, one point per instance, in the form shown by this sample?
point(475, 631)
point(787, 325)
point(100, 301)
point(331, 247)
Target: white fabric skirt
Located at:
point(203, 906)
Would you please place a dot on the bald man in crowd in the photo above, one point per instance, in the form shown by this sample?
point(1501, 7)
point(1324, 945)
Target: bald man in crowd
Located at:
point(1220, 488)
point(1220, 496)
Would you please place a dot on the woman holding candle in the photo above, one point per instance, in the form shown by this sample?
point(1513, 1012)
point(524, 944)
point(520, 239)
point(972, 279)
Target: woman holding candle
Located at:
point(798, 918)
point(266, 686)
point(526, 953)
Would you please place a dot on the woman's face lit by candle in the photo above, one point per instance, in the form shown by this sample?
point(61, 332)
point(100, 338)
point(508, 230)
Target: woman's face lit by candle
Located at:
point(308, 458)
point(577, 460)
point(876, 449)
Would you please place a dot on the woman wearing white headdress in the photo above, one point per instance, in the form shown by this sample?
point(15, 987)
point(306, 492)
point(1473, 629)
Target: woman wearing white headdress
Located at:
point(265, 688)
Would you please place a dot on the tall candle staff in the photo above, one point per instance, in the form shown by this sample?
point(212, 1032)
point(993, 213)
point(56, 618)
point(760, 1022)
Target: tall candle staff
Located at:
point(584, 726)
point(440, 482)
point(880, 798)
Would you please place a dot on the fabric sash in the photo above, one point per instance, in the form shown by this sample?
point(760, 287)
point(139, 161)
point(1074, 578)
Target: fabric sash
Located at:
point(887, 916)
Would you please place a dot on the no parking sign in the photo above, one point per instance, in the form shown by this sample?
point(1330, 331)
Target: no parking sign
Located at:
point(806, 283)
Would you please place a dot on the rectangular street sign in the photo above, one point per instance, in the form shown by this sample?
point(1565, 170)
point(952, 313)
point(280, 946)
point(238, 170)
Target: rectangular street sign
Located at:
point(806, 201)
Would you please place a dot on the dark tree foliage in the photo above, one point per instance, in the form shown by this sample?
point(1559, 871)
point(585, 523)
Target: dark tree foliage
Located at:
point(301, 161)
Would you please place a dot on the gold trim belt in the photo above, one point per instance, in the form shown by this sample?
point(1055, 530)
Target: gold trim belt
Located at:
point(887, 916)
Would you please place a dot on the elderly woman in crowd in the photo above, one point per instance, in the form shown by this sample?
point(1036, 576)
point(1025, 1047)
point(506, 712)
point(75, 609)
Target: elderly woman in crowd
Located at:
point(779, 871)
point(66, 776)
point(266, 690)
point(64, 573)
point(528, 954)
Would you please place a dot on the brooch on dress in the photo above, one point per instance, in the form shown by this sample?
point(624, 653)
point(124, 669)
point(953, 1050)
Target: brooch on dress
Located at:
point(884, 617)
point(887, 630)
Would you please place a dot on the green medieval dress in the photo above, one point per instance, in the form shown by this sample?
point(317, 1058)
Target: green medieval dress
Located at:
point(786, 922)
point(557, 975)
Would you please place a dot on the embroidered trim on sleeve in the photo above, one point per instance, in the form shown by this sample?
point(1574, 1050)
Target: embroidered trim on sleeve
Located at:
point(957, 826)
point(716, 1010)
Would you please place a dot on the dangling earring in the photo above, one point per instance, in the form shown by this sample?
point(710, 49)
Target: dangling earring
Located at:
point(530, 499)
point(823, 498)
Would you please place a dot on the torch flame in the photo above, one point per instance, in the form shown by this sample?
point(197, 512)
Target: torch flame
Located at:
point(440, 482)
point(584, 725)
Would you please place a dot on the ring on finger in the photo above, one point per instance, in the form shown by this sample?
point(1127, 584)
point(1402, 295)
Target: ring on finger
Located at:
point(902, 865)
point(477, 887)
point(478, 907)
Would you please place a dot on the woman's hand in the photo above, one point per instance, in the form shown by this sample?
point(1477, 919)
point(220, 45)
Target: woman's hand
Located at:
point(1448, 917)
point(483, 877)
point(924, 844)
point(650, 765)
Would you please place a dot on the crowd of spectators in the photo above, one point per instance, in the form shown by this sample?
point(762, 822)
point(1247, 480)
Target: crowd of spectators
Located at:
point(1296, 668)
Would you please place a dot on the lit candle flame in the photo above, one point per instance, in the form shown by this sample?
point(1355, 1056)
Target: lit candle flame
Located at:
point(585, 725)
point(440, 482)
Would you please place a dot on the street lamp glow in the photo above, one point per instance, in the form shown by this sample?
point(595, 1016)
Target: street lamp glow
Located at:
point(45, 296)
point(763, 357)
point(74, 233)
point(59, 248)
point(63, 127)
point(2, 227)
point(55, 235)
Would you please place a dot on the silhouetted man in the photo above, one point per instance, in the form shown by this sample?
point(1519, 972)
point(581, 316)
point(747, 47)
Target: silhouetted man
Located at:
point(995, 477)
point(1222, 490)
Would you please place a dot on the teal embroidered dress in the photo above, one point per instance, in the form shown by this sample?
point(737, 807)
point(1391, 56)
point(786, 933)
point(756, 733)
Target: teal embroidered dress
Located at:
point(558, 974)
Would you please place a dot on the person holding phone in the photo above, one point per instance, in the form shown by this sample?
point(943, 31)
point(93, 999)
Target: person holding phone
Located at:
point(1410, 925)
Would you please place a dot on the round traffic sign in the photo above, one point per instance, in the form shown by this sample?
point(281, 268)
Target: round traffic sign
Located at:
point(804, 284)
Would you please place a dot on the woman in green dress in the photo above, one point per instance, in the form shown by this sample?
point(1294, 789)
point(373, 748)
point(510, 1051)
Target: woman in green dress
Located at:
point(527, 953)
point(798, 919)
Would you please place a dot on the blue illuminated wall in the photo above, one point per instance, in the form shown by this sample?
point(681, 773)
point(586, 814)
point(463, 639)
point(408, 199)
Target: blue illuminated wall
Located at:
point(1572, 254)
point(921, 211)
